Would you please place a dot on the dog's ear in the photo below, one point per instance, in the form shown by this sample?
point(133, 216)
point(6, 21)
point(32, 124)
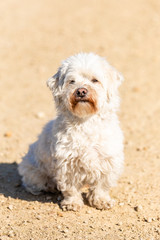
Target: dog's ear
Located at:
point(56, 81)
point(52, 82)
point(114, 81)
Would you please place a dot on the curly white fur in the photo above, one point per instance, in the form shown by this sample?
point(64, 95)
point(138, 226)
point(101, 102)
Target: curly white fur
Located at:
point(84, 144)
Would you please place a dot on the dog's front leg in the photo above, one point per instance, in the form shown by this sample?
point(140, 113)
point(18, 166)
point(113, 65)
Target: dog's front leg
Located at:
point(72, 199)
point(69, 187)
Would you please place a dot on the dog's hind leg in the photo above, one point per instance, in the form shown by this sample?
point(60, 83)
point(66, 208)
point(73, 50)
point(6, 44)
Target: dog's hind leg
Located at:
point(33, 179)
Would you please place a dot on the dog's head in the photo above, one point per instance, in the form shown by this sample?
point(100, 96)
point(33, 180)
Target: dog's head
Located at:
point(84, 84)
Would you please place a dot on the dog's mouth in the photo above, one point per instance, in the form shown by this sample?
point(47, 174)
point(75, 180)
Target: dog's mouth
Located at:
point(77, 100)
point(83, 106)
point(86, 100)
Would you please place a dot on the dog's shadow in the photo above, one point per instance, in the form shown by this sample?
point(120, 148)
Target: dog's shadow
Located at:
point(11, 186)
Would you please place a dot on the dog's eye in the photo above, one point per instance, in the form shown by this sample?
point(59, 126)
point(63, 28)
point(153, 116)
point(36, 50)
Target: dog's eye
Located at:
point(72, 82)
point(94, 80)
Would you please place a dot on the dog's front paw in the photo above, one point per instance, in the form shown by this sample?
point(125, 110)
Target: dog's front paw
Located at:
point(67, 205)
point(101, 202)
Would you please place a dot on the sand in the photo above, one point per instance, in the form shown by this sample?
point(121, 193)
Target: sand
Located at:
point(34, 37)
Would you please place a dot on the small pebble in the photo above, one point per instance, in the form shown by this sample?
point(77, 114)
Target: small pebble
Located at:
point(40, 115)
point(121, 204)
point(8, 134)
point(38, 217)
point(59, 214)
point(157, 230)
point(11, 234)
point(144, 148)
point(85, 222)
point(149, 219)
point(138, 208)
point(119, 224)
point(10, 207)
point(135, 89)
point(138, 149)
point(88, 211)
point(91, 226)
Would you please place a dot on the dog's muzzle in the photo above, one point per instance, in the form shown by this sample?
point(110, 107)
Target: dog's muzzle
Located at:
point(80, 94)
point(83, 102)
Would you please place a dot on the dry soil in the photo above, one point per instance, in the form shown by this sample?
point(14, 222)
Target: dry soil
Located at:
point(34, 37)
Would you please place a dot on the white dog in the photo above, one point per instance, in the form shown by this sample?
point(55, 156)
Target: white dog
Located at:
point(84, 144)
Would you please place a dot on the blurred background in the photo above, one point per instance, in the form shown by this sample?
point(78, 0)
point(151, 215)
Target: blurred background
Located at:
point(35, 36)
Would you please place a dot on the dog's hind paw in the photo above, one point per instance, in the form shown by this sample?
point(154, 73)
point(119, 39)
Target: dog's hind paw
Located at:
point(33, 189)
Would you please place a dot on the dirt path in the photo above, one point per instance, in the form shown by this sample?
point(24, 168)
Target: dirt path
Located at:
point(34, 37)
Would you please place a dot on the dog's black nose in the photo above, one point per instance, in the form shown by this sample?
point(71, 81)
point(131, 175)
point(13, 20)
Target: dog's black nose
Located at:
point(81, 92)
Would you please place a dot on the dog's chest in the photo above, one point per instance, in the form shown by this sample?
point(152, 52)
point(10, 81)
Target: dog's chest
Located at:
point(81, 143)
point(82, 154)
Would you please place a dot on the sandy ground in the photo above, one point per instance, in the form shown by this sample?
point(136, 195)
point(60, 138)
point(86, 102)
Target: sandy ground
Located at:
point(34, 37)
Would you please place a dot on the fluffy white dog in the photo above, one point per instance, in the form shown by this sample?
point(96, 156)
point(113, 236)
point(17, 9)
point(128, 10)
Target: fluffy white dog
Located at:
point(84, 144)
